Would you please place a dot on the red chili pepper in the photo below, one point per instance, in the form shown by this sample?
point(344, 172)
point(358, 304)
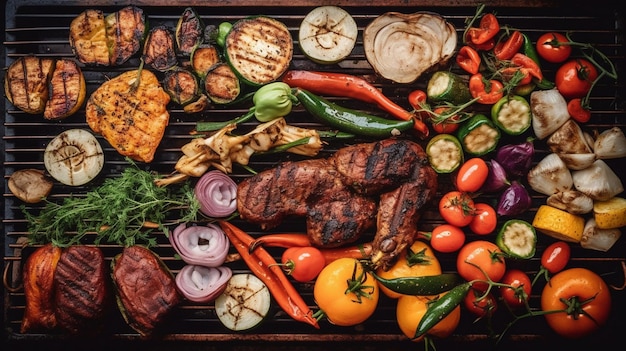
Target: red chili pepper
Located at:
point(505, 50)
point(578, 110)
point(488, 29)
point(360, 251)
point(468, 59)
point(524, 61)
point(345, 85)
point(266, 268)
point(488, 92)
point(284, 240)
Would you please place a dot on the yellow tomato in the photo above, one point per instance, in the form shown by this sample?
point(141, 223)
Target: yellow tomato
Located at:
point(411, 309)
point(343, 304)
point(419, 261)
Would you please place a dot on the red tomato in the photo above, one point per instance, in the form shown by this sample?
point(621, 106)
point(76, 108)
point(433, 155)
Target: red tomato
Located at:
point(579, 112)
point(551, 47)
point(516, 296)
point(481, 306)
point(457, 208)
point(303, 263)
point(556, 256)
point(447, 238)
point(472, 175)
point(485, 219)
point(575, 77)
point(477, 257)
point(583, 299)
point(442, 123)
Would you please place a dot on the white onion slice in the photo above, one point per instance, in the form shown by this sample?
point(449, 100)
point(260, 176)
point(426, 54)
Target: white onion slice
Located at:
point(217, 194)
point(202, 284)
point(200, 245)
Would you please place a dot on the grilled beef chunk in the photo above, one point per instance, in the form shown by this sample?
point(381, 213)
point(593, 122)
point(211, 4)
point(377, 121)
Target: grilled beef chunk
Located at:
point(38, 276)
point(81, 290)
point(145, 289)
point(385, 183)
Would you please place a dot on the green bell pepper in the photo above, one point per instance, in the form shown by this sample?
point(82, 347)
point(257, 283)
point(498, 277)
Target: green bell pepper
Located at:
point(272, 100)
point(479, 135)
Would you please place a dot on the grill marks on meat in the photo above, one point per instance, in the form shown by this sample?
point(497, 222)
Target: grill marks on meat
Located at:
point(146, 289)
point(81, 289)
point(385, 183)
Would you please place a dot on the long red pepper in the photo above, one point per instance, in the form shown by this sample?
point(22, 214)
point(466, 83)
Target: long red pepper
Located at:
point(265, 267)
point(345, 85)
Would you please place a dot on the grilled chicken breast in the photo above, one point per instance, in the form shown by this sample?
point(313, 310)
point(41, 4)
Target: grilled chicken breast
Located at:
point(130, 111)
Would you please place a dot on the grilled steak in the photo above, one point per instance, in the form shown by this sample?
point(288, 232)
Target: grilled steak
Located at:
point(145, 289)
point(81, 289)
point(385, 183)
point(130, 111)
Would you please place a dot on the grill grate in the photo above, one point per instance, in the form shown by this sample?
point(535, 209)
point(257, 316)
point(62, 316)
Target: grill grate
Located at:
point(42, 29)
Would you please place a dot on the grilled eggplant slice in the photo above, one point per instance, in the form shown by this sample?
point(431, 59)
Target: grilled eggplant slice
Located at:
point(189, 32)
point(159, 51)
point(221, 84)
point(38, 276)
point(88, 38)
point(182, 86)
point(81, 290)
point(203, 58)
point(26, 83)
point(259, 49)
point(145, 289)
point(67, 90)
point(126, 29)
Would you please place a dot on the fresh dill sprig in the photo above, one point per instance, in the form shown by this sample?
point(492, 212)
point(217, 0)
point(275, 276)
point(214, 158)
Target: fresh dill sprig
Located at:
point(120, 211)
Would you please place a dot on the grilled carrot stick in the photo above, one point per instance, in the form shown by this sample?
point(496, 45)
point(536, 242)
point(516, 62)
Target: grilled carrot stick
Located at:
point(265, 267)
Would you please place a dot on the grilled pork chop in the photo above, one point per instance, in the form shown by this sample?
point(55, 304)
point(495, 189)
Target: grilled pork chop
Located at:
point(130, 111)
point(386, 183)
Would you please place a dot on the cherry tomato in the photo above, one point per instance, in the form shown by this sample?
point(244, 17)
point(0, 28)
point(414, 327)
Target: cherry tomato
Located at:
point(485, 219)
point(417, 100)
point(575, 77)
point(416, 261)
point(447, 238)
point(410, 310)
point(477, 257)
point(346, 293)
point(551, 47)
point(443, 124)
point(472, 175)
point(583, 298)
point(556, 256)
point(479, 305)
point(518, 295)
point(457, 208)
point(579, 112)
point(303, 263)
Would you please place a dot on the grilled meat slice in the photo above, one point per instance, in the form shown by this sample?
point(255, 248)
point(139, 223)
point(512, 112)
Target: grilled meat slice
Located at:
point(130, 111)
point(38, 276)
point(82, 290)
point(145, 289)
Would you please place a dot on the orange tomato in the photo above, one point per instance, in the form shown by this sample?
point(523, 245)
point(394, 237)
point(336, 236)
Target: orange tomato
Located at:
point(417, 261)
point(582, 288)
point(410, 310)
point(343, 305)
point(478, 260)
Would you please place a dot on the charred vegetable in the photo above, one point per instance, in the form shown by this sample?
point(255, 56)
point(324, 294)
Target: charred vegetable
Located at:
point(159, 50)
point(30, 185)
point(26, 83)
point(221, 84)
point(67, 90)
point(245, 302)
point(182, 86)
point(203, 57)
point(327, 34)
point(126, 29)
point(189, 32)
point(74, 157)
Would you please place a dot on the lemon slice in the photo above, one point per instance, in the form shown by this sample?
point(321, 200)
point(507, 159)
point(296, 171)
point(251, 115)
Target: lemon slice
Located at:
point(559, 224)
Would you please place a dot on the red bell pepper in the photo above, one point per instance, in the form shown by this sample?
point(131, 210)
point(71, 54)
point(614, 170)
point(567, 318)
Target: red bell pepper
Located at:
point(487, 29)
point(505, 50)
point(488, 92)
point(468, 59)
point(524, 61)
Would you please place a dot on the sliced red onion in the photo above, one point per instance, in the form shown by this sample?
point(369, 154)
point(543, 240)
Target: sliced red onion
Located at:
point(202, 284)
point(200, 245)
point(217, 194)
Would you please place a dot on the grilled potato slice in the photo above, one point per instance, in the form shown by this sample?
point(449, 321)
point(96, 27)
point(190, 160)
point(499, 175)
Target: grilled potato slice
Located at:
point(88, 38)
point(125, 29)
point(67, 90)
point(26, 83)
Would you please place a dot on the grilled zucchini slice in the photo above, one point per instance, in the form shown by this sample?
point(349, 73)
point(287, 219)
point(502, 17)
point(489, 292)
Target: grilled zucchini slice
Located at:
point(67, 90)
point(203, 58)
point(26, 83)
point(159, 51)
point(221, 84)
point(259, 49)
point(126, 29)
point(88, 38)
point(189, 32)
point(182, 86)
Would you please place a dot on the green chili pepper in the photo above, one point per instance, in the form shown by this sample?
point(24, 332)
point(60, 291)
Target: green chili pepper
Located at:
point(425, 285)
point(441, 307)
point(348, 120)
point(273, 100)
point(222, 32)
point(479, 135)
point(529, 50)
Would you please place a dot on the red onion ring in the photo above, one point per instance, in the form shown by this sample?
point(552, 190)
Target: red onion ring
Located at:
point(202, 284)
point(217, 194)
point(200, 245)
